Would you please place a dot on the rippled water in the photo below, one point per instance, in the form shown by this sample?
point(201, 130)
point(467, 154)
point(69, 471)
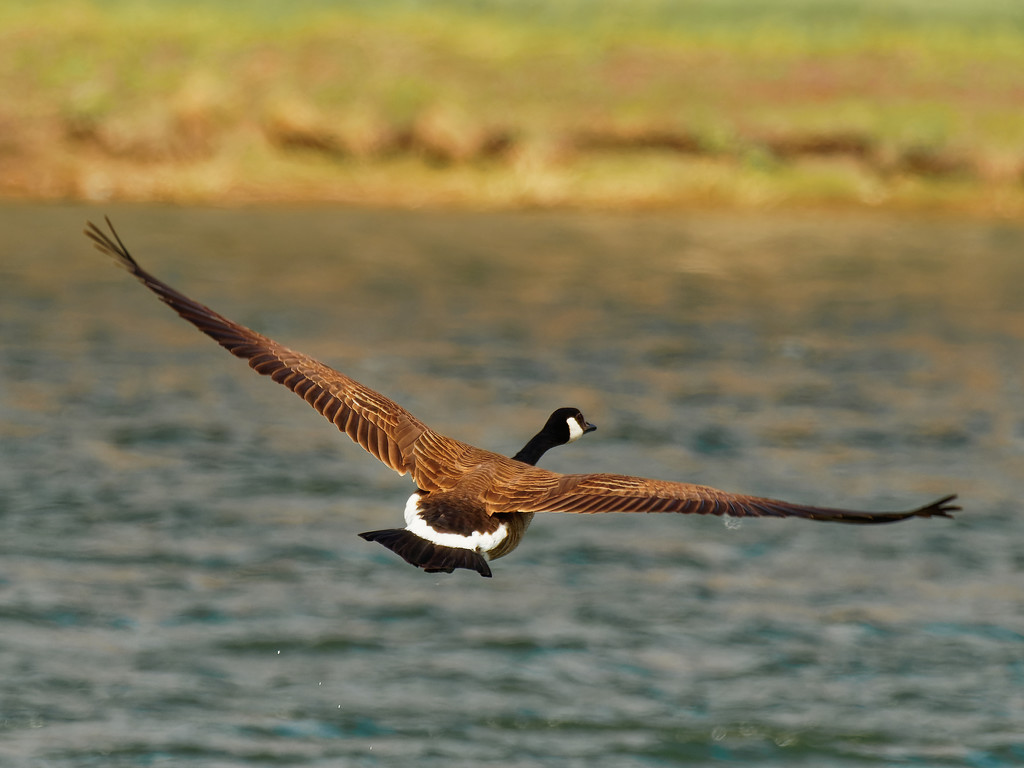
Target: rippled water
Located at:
point(180, 578)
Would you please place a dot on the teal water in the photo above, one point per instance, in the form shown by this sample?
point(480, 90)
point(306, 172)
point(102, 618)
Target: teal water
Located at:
point(181, 582)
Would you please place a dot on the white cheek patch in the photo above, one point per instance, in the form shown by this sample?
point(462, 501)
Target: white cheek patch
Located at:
point(476, 541)
point(575, 430)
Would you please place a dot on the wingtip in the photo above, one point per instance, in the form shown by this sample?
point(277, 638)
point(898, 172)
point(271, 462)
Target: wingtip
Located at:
point(939, 508)
point(111, 244)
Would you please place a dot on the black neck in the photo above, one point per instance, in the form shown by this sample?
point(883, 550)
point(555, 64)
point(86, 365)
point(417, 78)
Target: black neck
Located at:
point(533, 450)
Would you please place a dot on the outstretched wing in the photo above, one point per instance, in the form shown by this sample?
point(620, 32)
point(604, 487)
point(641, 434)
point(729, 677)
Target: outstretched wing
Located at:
point(594, 493)
point(382, 427)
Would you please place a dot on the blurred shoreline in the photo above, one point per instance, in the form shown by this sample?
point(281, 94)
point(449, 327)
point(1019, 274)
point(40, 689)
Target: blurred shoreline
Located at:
point(745, 105)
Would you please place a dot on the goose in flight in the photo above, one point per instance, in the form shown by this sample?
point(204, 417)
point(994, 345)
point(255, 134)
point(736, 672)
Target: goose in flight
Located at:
point(470, 505)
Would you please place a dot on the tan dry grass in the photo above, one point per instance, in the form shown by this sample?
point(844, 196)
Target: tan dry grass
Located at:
point(390, 106)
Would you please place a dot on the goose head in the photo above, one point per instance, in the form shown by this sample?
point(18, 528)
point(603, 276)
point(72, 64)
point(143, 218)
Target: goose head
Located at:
point(563, 426)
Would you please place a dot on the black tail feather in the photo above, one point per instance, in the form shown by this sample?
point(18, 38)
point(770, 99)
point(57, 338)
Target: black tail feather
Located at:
point(431, 557)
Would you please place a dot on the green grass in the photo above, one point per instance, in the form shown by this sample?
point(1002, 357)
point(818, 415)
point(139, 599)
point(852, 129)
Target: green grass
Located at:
point(229, 92)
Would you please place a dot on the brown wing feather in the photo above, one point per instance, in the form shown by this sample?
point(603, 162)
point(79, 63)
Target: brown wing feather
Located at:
point(382, 427)
point(595, 493)
point(402, 442)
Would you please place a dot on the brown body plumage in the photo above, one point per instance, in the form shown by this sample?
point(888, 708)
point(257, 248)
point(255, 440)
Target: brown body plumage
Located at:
point(470, 502)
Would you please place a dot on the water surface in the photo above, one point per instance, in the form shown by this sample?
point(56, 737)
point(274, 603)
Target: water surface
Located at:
point(181, 582)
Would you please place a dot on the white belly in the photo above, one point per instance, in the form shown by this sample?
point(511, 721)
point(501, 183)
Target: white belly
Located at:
point(477, 542)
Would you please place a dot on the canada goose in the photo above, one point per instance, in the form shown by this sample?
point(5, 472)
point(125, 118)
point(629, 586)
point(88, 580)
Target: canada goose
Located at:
point(470, 505)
